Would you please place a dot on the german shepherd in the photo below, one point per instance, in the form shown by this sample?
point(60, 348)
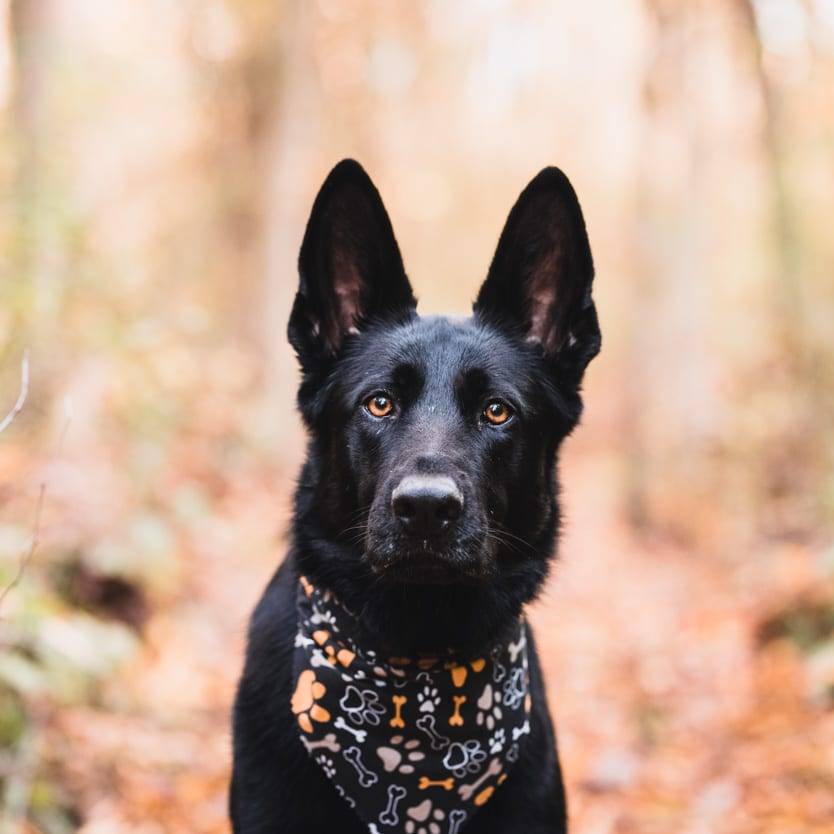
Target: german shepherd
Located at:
point(427, 507)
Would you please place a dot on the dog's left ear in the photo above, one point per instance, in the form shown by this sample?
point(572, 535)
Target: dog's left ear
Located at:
point(350, 267)
point(539, 282)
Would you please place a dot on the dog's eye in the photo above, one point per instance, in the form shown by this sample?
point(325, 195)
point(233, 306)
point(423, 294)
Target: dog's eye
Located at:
point(379, 405)
point(497, 412)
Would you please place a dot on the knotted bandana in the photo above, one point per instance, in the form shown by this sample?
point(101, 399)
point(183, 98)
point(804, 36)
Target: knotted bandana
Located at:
point(413, 745)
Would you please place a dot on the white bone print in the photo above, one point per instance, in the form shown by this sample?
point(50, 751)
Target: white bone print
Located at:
point(523, 730)
point(426, 724)
point(515, 648)
point(456, 819)
point(498, 671)
point(366, 777)
point(389, 816)
point(341, 724)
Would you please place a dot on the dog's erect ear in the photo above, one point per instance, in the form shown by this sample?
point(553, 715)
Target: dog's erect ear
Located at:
point(350, 266)
point(539, 282)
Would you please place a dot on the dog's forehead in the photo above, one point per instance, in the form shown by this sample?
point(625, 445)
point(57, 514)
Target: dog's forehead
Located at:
point(442, 346)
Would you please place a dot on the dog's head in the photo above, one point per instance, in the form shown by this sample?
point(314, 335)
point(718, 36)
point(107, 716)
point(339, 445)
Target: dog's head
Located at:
point(431, 469)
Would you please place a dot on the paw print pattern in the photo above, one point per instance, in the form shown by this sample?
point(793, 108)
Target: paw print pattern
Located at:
point(497, 740)
point(400, 755)
point(332, 652)
point(308, 690)
point(362, 706)
point(515, 688)
point(424, 819)
point(428, 698)
point(489, 707)
point(325, 617)
point(326, 764)
point(464, 757)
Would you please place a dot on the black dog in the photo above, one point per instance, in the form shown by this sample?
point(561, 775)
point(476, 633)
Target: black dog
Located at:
point(426, 510)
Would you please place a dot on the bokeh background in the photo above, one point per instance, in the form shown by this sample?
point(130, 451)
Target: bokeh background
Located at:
point(158, 161)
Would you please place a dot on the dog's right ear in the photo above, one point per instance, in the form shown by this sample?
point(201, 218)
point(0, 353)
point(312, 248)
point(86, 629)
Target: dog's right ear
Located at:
point(350, 267)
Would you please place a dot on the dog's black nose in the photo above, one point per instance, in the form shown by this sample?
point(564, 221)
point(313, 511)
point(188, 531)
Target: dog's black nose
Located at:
point(427, 504)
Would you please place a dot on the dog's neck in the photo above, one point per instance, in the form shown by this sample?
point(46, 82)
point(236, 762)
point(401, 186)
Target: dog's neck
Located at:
point(381, 643)
point(412, 619)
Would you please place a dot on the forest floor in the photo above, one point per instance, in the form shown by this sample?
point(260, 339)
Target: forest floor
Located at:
point(676, 711)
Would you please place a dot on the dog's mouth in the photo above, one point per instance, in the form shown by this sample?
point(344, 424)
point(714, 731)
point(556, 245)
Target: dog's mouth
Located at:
point(426, 567)
point(419, 569)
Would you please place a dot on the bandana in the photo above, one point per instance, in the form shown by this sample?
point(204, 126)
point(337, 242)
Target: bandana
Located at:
point(413, 745)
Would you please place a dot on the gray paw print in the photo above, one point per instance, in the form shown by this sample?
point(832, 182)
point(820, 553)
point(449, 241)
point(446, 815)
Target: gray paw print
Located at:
point(423, 819)
point(489, 707)
point(400, 757)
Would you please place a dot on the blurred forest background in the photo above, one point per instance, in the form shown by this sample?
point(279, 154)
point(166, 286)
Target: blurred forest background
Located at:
point(158, 161)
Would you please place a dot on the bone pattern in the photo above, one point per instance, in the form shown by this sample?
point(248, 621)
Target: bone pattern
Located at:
point(438, 741)
point(389, 816)
point(515, 648)
point(456, 720)
point(523, 730)
point(328, 743)
point(466, 791)
point(366, 777)
point(446, 784)
point(399, 702)
point(498, 670)
point(341, 724)
point(456, 820)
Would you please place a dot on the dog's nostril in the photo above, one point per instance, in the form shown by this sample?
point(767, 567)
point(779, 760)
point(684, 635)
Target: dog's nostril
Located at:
point(426, 504)
point(449, 508)
point(404, 507)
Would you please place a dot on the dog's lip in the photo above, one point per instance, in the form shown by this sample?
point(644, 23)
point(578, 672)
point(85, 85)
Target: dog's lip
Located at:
point(420, 568)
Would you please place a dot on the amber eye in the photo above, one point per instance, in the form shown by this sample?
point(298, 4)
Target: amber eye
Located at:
point(497, 412)
point(379, 405)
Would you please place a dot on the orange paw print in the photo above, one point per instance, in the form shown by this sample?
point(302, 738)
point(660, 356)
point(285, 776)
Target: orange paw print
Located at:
point(307, 691)
point(460, 672)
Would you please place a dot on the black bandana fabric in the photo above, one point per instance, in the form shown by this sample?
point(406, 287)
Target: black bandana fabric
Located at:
point(413, 745)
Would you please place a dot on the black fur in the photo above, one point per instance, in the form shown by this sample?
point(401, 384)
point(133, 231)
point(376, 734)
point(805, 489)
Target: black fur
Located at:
point(357, 334)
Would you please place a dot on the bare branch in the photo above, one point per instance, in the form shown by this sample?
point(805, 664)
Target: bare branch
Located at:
point(30, 552)
point(21, 397)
